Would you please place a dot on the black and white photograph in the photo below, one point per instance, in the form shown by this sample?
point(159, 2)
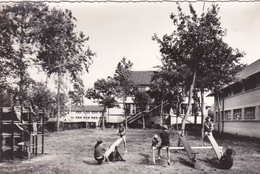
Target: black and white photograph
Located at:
point(154, 86)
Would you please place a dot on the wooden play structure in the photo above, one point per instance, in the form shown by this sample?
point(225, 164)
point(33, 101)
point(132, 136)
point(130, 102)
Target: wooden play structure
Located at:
point(191, 154)
point(113, 150)
point(215, 146)
point(16, 124)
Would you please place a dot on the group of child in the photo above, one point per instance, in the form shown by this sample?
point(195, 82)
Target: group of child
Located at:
point(163, 141)
point(226, 161)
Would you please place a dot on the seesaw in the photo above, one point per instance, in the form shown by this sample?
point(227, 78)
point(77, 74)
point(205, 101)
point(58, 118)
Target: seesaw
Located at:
point(190, 153)
point(215, 146)
point(113, 150)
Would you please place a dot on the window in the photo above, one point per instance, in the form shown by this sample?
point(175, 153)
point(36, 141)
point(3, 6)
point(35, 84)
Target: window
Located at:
point(237, 114)
point(250, 84)
point(237, 88)
point(250, 113)
point(142, 88)
point(227, 93)
point(228, 115)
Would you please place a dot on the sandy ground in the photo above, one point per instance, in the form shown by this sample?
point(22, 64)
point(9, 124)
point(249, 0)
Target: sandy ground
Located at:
point(71, 152)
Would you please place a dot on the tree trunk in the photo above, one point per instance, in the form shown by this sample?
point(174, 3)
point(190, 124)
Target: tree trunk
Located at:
point(189, 103)
point(219, 112)
point(59, 102)
point(161, 113)
point(178, 112)
point(124, 99)
point(202, 112)
point(103, 118)
point(143, 122)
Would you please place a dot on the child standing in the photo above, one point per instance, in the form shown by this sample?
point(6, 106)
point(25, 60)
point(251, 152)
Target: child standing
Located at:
point(121, 133)
point(208, 128)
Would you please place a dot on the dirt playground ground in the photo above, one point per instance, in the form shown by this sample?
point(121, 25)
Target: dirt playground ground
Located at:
point(71, 152)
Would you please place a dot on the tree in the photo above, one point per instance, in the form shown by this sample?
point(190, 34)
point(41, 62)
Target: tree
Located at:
point(168, 85)
point(61, 49)
point(125, 81)
point(7, 52)
point(197, 45)
point(142, 99)
point(78, 93)
point(42, 97)
point(18, 25)
point(104, 92)
point(160, 90)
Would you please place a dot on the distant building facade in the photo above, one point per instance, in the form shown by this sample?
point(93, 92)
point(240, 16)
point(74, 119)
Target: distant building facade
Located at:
point(239, 104)
point(142, 80)
point(90, 114)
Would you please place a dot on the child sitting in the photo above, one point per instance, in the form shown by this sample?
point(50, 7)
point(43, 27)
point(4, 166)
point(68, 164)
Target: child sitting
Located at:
point(226, 161)
point(99, 151)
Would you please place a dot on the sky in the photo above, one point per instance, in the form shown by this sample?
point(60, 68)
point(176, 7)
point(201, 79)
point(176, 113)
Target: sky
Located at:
point(118, 30)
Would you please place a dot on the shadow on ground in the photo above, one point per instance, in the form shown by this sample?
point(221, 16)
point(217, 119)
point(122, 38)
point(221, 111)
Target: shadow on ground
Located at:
point(146, 159)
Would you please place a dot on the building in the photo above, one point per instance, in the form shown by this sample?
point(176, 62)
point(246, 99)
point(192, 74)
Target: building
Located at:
point(142, 80)
point(116, 115)
point(239, 104)
point(90, 114)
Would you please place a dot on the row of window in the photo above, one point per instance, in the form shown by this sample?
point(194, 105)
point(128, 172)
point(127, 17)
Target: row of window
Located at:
point(89, 112)
point(247, 85)
point(249, 113)
point(84, 117)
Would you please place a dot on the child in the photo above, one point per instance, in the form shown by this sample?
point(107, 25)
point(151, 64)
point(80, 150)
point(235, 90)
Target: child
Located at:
point(99, 152)
point(165, 142)
point(208, 128)
point(121, 133)
point(26, 138)
point(155, 141)
point(226, 161)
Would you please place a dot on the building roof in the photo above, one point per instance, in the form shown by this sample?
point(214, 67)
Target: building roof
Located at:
point(142, 77)
point(92, 108)
point(249, 70)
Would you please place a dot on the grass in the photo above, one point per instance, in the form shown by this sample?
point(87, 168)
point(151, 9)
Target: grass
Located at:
point(71, 152)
